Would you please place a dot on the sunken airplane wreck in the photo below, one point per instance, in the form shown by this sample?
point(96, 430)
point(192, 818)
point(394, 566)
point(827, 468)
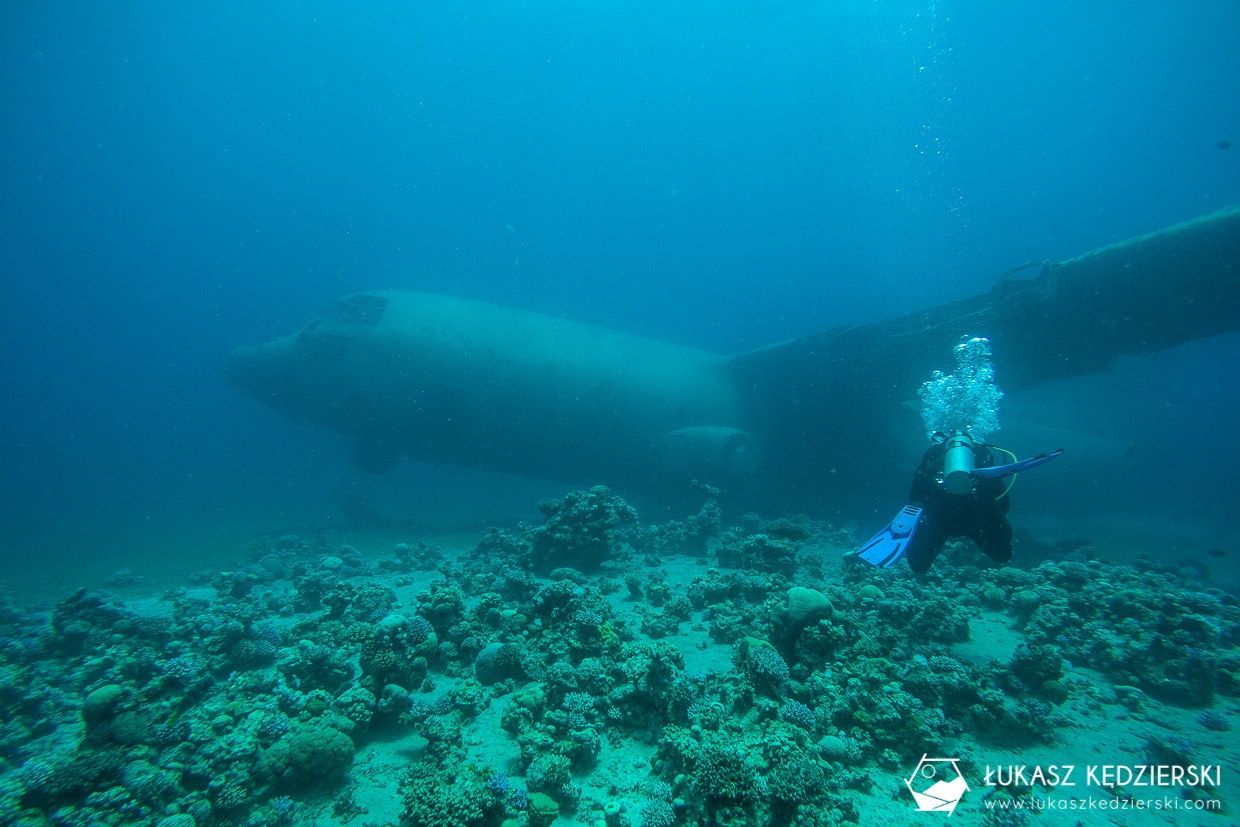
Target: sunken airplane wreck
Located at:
point(475, 384)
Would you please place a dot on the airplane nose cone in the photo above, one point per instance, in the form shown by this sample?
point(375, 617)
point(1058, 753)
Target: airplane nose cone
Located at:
point(269, 373)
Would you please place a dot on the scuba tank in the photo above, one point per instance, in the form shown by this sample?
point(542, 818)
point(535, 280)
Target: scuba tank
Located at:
point(959, 472)
point(958, 461)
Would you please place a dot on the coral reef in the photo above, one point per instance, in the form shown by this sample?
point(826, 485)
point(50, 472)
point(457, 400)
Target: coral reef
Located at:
point(245, 699)
point(583, 529)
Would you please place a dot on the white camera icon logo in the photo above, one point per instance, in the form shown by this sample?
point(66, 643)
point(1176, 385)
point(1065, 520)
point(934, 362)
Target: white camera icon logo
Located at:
point(937, 784)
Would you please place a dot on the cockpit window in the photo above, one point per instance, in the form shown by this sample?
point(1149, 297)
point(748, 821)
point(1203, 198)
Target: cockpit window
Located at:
point(318, 344)
point(306, 332)
point(363, 308)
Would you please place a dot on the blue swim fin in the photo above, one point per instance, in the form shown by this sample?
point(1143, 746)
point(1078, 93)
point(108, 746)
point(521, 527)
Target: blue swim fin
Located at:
point(887, 546)
point(997, 471)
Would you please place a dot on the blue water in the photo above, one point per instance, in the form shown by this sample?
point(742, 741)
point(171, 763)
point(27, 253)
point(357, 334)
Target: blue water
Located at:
point(179, 178)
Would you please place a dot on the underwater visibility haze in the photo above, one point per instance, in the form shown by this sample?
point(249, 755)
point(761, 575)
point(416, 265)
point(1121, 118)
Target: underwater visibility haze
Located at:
point(214, 613)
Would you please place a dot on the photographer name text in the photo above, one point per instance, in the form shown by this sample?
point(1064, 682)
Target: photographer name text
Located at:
point(1105, 775)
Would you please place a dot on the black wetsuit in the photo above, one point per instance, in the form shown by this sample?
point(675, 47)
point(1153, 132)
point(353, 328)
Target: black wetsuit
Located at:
point(978, 515)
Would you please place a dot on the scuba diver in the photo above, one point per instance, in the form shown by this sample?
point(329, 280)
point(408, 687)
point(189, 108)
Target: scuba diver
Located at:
point(957, 490)
point(951, 496)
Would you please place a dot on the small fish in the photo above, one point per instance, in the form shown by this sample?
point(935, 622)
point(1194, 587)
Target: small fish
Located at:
point(1224, 144)
point(1216, 552)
